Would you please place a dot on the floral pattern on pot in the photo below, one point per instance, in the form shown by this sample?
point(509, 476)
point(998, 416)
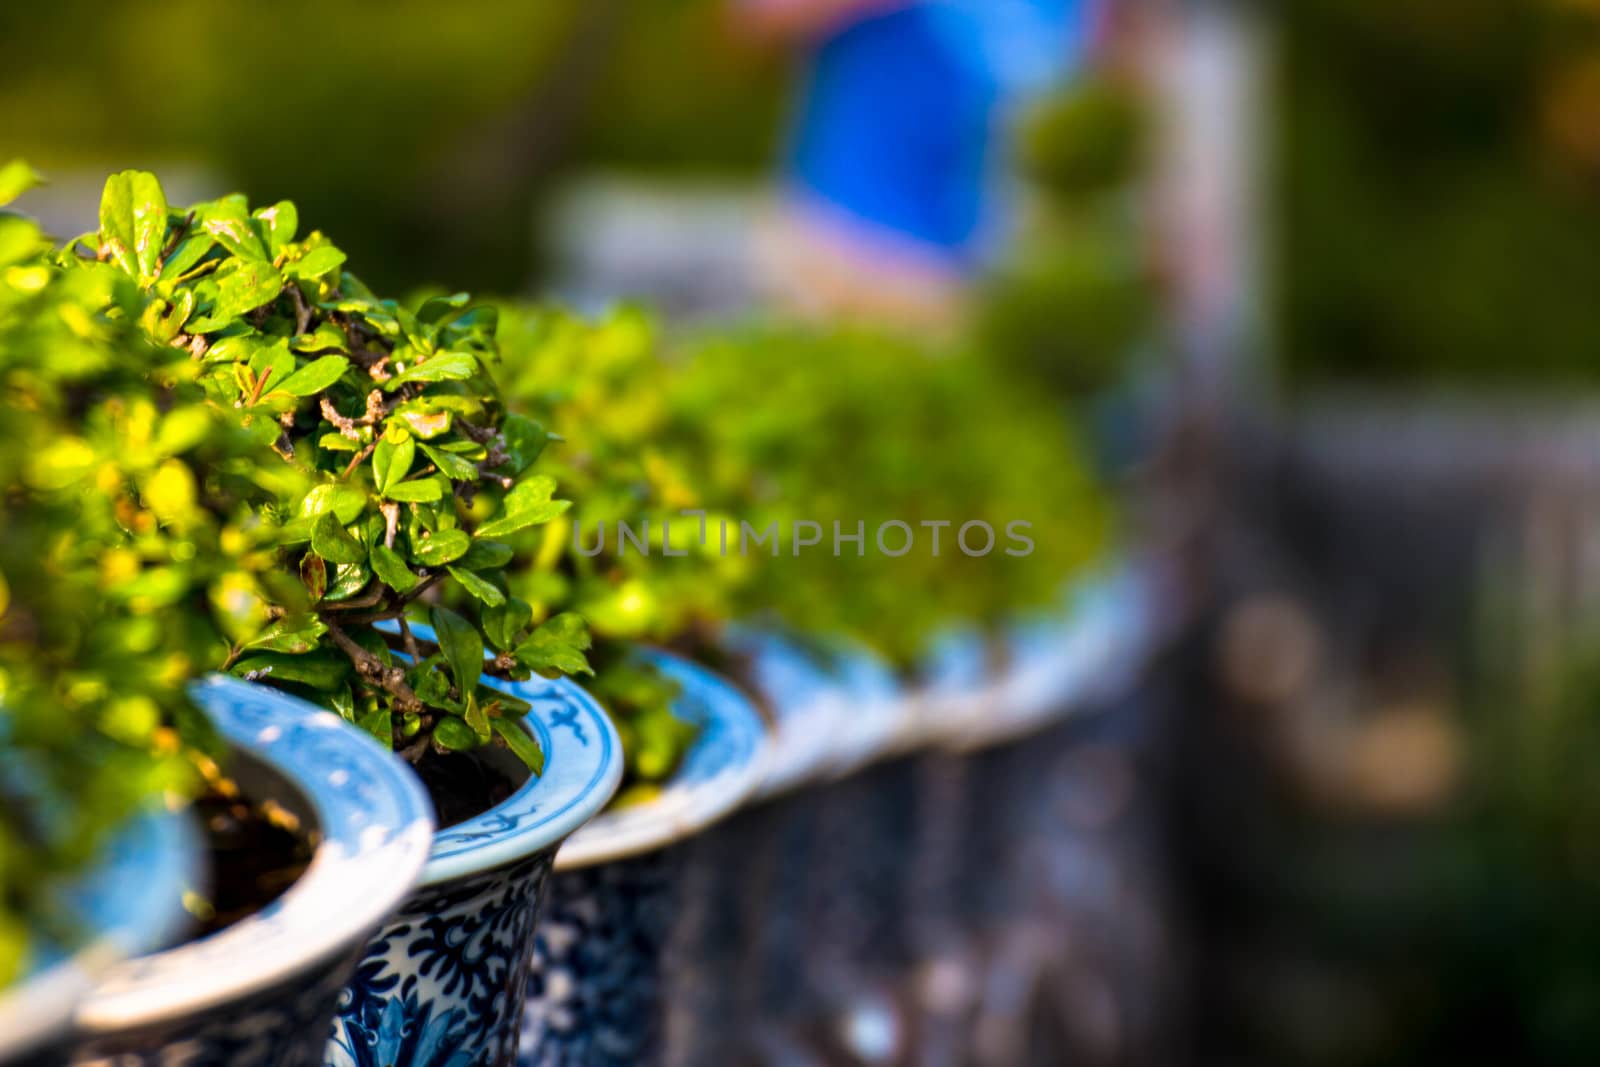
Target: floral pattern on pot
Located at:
point(262, 992)
point(595, 995)
point(441, 984)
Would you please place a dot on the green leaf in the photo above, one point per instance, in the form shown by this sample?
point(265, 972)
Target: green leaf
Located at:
point(332, 542)
point(323, 669)
point(190, 251)
point(528, 504)
point(16, 178)
point(392, 570)
point(451, 733)
point(133, 223)
point(421, 490)
point(315, 263)
point(487, 555)
point(345, 501)
point(314, 377)
point(504, 623)
point(391, 462)
point(519, 741)
point(461, 647)
point(440, 367)
point(443, 547)
point(348, 580)
point(279, 222)
point(380, 724)
point(557, 645)
point(481, 588)
point(525, 440)
point(242, 286)
point(228, 221)
point(451, 465)
point(294, 634)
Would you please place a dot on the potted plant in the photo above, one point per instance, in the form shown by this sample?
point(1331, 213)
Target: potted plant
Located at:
point(382, 471)
point(693, 742)
point(118, 528)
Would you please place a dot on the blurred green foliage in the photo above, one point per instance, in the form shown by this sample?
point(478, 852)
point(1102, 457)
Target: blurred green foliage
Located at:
point(1437, 166)
point(98, 581)
point(428, 132)
point(1074, 298)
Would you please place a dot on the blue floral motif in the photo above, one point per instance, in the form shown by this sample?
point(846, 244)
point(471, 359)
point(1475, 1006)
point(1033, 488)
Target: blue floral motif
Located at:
point(568, 717)
point(441, 985)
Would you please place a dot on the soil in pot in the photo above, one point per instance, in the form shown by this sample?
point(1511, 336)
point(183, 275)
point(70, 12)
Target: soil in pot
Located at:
point(259, 838)
point(463, 785)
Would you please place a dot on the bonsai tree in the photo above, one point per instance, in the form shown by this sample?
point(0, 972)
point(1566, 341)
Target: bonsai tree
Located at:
point(738, 432)
point(384, 477)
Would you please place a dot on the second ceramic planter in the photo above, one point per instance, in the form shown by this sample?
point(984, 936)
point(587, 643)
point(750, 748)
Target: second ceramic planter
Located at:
point(442, 983)
point(619, 925)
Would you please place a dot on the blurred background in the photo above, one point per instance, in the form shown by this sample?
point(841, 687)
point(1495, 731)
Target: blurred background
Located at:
point(1325, 276)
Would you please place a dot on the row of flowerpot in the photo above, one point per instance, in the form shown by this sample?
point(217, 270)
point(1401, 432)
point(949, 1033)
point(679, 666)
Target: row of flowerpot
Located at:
point(548, 923)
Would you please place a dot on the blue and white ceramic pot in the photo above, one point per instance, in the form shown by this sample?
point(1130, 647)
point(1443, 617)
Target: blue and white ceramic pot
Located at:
point(262, 992)
point(130, 902)
point(442, 984)
point(616, 976)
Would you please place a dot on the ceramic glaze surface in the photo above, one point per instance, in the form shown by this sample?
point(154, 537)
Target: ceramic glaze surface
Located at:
point(262, 992)
point(594, 998)
point(442, 983)
point(441, 986)
point(596, 994)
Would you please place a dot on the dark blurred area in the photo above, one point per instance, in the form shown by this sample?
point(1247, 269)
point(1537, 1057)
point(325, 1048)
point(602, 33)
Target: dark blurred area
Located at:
point(1338, 259)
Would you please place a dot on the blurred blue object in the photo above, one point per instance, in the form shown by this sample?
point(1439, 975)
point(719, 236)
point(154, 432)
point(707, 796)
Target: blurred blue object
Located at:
point(903, 111)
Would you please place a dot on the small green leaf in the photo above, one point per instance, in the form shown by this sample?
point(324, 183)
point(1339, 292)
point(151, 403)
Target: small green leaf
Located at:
point(421, 490)
point(461, 647)
point(380, 724)
point(504, 623)
point(323, 669)
point(242, 286)
point(190, 251)
point(525, 440)
point(294, 634)
point(133, 223)
point(451, 465)
point(332, 542)
point(440, 367)
point(348, 580)
point(528, 504)
point(228, 221)
point(315, 263)
point(279, 222)
point(443, 547)
point(314, 377)
point(346, 502)
point(453, 734)
point(487, 555)
point(481, 588)
point(392, 570)
point(16, 178)
point(557, 645)
point(519, 741)
point(391, 462)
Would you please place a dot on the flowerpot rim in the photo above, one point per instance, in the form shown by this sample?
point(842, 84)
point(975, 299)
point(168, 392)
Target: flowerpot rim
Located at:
point(808, 704)
point(375, 826)
point(721, 770)
point(1062, 663)
point(583, 765)
point(131, 901)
